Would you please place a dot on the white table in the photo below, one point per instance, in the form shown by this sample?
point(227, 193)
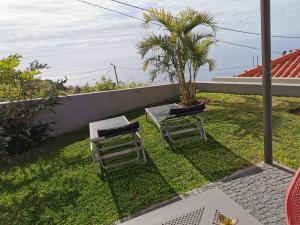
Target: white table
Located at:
point(201, 209)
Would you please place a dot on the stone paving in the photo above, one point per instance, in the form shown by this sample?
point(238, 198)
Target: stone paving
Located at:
point(260, 190)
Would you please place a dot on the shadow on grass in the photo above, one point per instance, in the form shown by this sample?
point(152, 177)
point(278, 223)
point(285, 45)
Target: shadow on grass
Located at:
point(47, 150)
point(31, 209)
point(138, 185)
point(282, 104)
point(246, 120)
point(39, 200)
point(212, 159)
point(45, 162)
point(240, 101)
point(133, 187)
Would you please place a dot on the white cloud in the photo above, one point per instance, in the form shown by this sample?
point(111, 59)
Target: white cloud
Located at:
point(68, 34)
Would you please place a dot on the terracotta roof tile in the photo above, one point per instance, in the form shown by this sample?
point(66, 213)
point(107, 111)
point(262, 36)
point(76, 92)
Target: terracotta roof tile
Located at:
point(285, 66)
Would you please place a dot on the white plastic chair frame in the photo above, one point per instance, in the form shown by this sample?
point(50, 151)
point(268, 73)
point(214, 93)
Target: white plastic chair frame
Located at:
point(134, 145)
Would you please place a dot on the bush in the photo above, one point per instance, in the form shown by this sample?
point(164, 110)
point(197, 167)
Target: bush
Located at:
point(17, 131)
point(104, 84)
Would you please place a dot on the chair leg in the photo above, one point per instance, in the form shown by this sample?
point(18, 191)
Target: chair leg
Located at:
point(146, 116)
point(138, 138)
point(138, 147)
point(100, 158)
point(170, 138)
point(93, 156)
point(101, 161)
point(143, 151)
point(204, 133)
point(201, 129)
point(162, 137)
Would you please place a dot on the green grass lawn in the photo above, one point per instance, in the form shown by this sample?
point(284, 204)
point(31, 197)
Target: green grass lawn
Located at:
point(55, 184)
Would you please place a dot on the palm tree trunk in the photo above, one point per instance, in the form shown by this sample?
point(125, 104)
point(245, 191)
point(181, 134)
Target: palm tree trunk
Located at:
point(193, 92)
point(183, 90)
point(180, 70)
point(187, 89)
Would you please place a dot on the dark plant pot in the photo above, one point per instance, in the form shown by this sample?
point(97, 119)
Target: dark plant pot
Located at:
point(18, 148)
point(199, 101)
point(295, 111)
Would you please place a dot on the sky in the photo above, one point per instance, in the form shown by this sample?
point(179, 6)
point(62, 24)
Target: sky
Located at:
point(80, 41)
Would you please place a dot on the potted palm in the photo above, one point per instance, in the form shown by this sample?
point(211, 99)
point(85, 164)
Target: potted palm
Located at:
point(178, 51)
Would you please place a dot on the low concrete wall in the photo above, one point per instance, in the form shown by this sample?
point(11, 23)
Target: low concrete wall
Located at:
point(78, 110)
point(288, 90)
point(275, 80)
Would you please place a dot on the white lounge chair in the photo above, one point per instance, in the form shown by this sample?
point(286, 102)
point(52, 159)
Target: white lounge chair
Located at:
point(115, 130)
point(174, 121)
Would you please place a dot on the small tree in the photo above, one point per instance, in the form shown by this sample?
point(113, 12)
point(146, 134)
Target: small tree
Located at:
point(178, 52)
point(20, 88)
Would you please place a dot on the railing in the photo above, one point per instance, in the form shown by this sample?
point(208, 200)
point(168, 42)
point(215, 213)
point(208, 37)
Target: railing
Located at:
point(275, 80)
point(278, 89)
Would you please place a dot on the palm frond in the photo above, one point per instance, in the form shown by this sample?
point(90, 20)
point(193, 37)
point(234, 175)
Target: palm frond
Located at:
point(178, 49)
point(153, 42)
point(192, 18)
point(161, 16)
point(211, 64)
point(153, 74)
point(204, 45)
point(198, 37)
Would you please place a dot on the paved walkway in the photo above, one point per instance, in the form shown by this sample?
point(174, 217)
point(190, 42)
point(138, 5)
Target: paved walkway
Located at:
point(260, 190)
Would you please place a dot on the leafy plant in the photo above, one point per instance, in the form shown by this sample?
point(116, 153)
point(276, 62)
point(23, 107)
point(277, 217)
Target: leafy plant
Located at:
point(178, 52)
point(104, 84)
point(223, 220)
point(18, 133)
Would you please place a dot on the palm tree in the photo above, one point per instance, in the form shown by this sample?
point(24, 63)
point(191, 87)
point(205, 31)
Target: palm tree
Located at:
point(178, 52)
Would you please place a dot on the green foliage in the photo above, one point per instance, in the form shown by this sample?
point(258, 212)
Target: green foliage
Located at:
point(55, 184)
point(16, 84)
point(179, 52)
point(20, 87)
point(105, 84)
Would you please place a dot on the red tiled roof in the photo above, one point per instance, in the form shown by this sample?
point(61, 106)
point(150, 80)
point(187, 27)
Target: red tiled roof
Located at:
point(286, 66)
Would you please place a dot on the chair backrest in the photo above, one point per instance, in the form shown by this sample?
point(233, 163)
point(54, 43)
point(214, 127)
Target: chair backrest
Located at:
point(292, 201)
point(113, 132)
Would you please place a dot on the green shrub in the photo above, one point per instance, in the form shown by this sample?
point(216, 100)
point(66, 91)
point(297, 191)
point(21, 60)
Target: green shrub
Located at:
point(104, 84)
point(17, 131)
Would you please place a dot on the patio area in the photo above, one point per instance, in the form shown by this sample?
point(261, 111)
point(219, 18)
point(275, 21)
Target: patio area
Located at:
point(55, 183)
point(260, 190)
